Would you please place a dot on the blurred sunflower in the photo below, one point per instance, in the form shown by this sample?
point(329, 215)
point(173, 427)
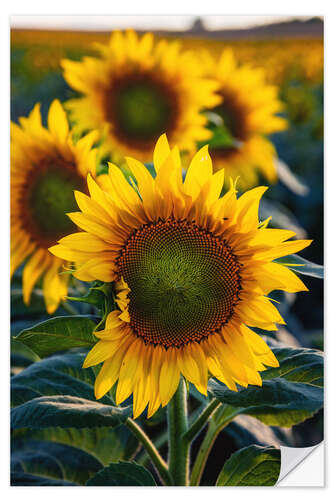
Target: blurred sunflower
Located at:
point(191, 272)
point(136, 90)
point(249, 113)
point(45, 168)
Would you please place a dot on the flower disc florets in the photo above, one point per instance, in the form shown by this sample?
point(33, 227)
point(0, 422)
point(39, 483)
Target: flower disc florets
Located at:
point(184, 282)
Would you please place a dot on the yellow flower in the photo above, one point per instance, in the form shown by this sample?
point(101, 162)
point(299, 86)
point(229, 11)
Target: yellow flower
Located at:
point(248, 110)
point(45, 168)
point(136, 90)
point(192, 272)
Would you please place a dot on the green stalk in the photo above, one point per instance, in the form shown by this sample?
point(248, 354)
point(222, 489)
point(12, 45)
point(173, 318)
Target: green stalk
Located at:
point(179, 447)
point(69, 308)
point(201, 421)
point(153, 453)
point(202, 456)
point(223, 415)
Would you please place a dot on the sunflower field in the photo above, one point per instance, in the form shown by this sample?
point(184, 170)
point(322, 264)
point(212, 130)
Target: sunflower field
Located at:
point(166, 258)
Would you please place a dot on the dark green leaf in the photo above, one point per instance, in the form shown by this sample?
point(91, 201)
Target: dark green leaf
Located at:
point(251, 466)
point(289, 395)
point(66, 411)
point(94, 297)
point(57, 375)
point(19, 349)
point(297, 365)
point(123, 474)
point(97, 294)
point(107, 445)
point(277, 402)
point(302, 266)
point(24, 479)
point(51, 461)
point(58, 392)
point(59, 334)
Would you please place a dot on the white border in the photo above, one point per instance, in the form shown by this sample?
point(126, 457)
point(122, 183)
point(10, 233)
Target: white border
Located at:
point(174, 22)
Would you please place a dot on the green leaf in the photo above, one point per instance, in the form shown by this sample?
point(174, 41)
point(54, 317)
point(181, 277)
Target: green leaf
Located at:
point(20, 357)
point(251, 466)
point(43, 461)
point(221, 136)
point(94, 296)
point(123, 474)
point(24, 479)
point(19, 349)
point(97, 294)
point(58, 392)
point(59, 334)
point(302, 266)
point(107, 445)
point(297, 365)
point(57, 375)
point(289, 394)
point(66, 411)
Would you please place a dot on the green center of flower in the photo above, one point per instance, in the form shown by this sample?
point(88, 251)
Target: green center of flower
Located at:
point(234, 119)
point(141, 109)
point(49, 197)
point(184, 282)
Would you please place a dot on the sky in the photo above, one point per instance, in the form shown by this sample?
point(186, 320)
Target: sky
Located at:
point(176, 22)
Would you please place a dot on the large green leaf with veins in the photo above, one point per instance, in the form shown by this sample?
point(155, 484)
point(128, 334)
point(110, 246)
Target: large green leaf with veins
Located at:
point(59, 334)
point(289, 394)
point(123, 474)
point(58, 392)
point(40, 463)
point(251, 466)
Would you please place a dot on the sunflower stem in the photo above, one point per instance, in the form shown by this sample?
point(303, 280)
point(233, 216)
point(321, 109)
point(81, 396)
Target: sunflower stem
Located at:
point(151, 450)
point(69, 308)
point(202, 456)
point(201, 421)
point(179, 448)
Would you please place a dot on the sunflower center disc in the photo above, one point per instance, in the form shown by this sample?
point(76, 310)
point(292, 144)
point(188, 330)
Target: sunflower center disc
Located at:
point(141, 109)
point(184, 282)
point(49, 197)
point(234, 119)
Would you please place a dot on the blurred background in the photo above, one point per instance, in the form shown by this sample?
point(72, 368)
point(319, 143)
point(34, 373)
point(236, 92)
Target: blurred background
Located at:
point(291, 51)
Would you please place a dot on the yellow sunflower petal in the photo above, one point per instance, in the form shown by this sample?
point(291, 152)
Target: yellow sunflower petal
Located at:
point(169, 377)
point(57, 121)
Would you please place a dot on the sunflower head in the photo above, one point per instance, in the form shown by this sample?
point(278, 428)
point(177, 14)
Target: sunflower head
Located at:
point(191, 270)
point(46, 166)
point(136, 90)
point(249, 111)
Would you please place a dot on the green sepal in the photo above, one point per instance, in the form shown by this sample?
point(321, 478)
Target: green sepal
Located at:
point(302, 266)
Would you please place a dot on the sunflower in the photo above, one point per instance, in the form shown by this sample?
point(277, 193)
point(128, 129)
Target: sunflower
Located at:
point(249, 112)
point(136, 90)
point(45, 168)
point(191, 273)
